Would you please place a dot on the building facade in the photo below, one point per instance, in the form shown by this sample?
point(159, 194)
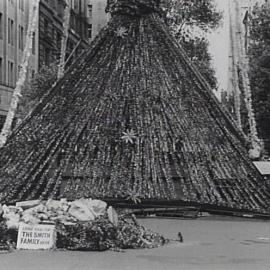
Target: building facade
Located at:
point(98, 18)
point(14, 17)
point(51, 18)
point(87, 17)
point(239, 43)
point(238, 97)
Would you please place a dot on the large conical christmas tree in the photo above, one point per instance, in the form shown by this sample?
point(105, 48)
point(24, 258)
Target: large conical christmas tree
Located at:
point(131, 118)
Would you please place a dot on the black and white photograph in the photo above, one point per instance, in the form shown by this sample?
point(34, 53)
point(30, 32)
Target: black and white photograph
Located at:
point(134, 134)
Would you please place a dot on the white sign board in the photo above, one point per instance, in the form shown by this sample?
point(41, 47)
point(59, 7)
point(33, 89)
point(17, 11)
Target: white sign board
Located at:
point(36, 236)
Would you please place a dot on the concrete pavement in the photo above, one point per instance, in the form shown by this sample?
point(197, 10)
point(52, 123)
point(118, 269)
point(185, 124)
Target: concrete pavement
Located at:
point(209, 243)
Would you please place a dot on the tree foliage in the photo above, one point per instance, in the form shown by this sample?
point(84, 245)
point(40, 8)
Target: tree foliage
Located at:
point(197, 50)
point(259, 53)
point(202, 13)
point(36, 88)
point(189, 20)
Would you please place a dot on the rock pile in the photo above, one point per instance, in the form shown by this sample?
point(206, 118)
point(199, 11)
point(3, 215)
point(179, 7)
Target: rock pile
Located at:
point(84, 224)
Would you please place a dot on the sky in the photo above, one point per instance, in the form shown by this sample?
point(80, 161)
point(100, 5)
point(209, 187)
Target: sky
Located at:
point(219, 47)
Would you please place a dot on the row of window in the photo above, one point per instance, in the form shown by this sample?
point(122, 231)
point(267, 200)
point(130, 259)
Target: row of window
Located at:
point(21, 3)
point(10, 70)
point(76, 23)
point(11, 34)
point(3, 119)
point(58, 6)
point(50, 55)
point(54, 34)
point(11, 76)
point(79, 25)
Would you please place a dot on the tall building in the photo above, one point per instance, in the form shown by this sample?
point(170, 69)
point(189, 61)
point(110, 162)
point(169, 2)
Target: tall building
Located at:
point(14, 17)
point(86, 19)
point(239, 92)
point(97, 16)
point(51, 18)
point(239, 42)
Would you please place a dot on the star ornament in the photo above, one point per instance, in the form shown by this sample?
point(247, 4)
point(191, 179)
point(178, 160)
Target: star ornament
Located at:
point(121, 32)
point(134, 196)
point(129, 136)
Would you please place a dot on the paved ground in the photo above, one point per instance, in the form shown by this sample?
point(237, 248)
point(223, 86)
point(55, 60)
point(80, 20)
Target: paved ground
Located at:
point(209, 244)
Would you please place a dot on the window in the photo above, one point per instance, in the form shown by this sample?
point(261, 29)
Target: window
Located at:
point(34, 43)
point(10, 32)
point(47, 56)
point(1, 70)
point(53, 33)
point(58, 39)
point(46, 27)
point(21, 4)
point(89, 30)
point(1, 25)
point(32, 74)
point(72, 21)
point(19, 69)
point(10, 74)
point(90, 11)
point(21, 38)
point(72, 4)
point(60, 8)
point(2, 121)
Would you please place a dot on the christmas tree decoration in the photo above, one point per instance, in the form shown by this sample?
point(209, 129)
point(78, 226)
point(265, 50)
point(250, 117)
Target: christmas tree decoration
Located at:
point(129, 136)
point(132, 119)
point(121, 32)
point(64, 40)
